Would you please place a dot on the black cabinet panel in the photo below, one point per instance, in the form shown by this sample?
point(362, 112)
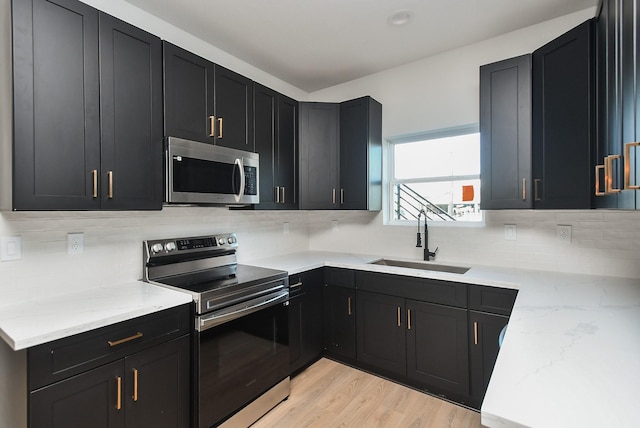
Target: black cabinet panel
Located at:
point(340, 322)
point(340, 277)
point(188, 95)
point(305, 318)
point(233, 109)
point(505, 134)
point(492, 299)
point(287, 166)
point(563, 120)
point(131, 116)
point(56, 104)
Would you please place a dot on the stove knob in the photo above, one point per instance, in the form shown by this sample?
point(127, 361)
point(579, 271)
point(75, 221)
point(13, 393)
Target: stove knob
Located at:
point(169, 246)
point(156, 248)
point(230, 240)
point(221, 241)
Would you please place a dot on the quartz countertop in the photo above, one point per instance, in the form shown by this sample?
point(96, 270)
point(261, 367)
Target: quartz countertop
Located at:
point(37, 320)
point(571, 354)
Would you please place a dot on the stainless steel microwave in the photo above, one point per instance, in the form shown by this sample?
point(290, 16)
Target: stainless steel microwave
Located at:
point(199, 173)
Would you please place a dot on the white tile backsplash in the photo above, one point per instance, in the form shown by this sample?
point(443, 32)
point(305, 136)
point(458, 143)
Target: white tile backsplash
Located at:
point(603, 242)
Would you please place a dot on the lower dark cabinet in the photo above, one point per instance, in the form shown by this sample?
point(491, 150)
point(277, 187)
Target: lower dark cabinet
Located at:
point(305, 319)
point(340, 322)
point(150, 388)
point(484, 335)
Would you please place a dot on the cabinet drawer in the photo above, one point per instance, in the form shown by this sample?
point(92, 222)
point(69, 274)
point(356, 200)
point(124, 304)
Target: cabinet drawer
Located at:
point(492, 299)
point(340, 277)
point(425, 290)
point(53, 361)
point(307, 281)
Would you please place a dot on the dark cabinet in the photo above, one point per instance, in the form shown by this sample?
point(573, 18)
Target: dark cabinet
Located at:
point(564, 120)
point(142, 379)
point(305, 318)
point(276, 138)
point(505, 134)
point(340, 314)
point(87, 123)
point(341, 155)
point(206, 102)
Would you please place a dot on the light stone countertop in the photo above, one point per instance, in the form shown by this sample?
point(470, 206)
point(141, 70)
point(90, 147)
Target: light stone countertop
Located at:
point(571, 354)
point(35, 321)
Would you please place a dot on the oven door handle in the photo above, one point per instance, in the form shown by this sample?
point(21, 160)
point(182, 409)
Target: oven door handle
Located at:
point(221, 317)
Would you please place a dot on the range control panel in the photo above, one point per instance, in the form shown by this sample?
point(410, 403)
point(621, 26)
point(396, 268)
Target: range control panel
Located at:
point(161, 247)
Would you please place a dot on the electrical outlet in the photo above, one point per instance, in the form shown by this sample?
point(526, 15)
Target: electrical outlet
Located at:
point(11, 248)
point(335, 226)
point(510, 232)
point(285, 228)
point(75, 243)
point(563, 233)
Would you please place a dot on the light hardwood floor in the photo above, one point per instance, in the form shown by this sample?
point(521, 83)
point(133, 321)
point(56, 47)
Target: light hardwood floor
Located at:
point(330, 394)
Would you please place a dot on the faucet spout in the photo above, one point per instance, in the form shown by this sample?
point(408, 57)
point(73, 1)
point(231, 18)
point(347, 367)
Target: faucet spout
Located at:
point(427, 254)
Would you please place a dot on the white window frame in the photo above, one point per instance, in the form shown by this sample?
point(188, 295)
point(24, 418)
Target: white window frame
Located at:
point(389, 167)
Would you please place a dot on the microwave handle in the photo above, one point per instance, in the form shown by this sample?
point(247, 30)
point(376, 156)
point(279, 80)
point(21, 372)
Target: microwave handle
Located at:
point(238, 163)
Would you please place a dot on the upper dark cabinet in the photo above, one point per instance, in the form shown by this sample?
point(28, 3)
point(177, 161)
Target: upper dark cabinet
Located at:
point(87, 110)
point(206, 102)
point(564, 120)
point(505, 134)
point(341, 155)
point(276, 138)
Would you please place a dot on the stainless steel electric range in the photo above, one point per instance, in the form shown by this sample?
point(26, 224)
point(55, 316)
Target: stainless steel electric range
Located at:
point(241, 334)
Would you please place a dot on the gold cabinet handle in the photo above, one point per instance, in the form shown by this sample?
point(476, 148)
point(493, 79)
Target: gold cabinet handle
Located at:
point(110, 178)
point(126, 339)
point(119, 398)
point(219, 128)
point(94, 174)
point(277, 189)
point(333, 196)
point(282, 197)
point(524, 189)
point(296, 285)
point(341, 196)
point(627, 166)
point(349, 306)
point(598, 191)
point(135, 385)
point(608, 174)
point(212, 124)
point(475, 332)
point(399, 323)
point(408, 319)
point(536, 196)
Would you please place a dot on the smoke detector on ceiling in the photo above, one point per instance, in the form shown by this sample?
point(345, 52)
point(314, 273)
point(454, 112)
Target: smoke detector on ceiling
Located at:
point(400, 17)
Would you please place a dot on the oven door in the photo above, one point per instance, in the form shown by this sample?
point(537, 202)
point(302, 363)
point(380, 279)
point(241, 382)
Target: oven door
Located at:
point(241, 359)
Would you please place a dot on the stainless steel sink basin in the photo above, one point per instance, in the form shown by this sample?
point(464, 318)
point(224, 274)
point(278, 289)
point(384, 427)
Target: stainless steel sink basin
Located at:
point(421, 266)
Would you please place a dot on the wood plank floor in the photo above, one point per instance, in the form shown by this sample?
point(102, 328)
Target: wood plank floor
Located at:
point(330, 394)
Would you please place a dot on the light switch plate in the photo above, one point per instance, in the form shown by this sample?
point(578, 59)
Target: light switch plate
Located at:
point(510, 233)
point(11, 248)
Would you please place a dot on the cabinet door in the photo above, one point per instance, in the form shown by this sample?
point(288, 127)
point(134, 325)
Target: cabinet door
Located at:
point(361, 154)
point(56, 105)
point(158, 386)
point(563, 121)
point(131, 116)
point(340, 321)
point(484, 332)
point(88, 400)
point(437, 349)
point(505, 134)
point(233, 110)
point(265, 124)
point(319, 174)
point(188, 95)
point(295, 333)
point(381, 332)
point(287, 150)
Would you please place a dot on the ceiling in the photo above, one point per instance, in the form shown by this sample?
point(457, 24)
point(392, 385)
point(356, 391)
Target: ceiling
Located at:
point(314, 44)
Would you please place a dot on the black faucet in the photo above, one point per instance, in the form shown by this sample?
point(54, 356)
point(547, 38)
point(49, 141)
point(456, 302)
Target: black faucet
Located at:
point(427, 254)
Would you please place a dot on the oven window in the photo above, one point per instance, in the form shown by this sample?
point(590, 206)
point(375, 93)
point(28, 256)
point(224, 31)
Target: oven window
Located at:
point(240, 360)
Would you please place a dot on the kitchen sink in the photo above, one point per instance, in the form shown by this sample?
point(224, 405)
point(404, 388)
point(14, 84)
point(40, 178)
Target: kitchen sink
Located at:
point(421, 266)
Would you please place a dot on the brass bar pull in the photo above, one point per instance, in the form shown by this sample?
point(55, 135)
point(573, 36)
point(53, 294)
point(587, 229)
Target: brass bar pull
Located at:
point(212, 123)
point(608, 174)
point(524, 189)
point(598, 191)
point(341, 196)
point(94, 174)
point(110, 177)
point(399, 323)
point(296, 285)
point(135, 385)
point(333, 197)
point(126, 339)
point(408, 319)
point(219, 128)
point(282, 198)
point(277, 194)
point(536, 196)
point(349, 306)
point(475, 332)
point(627, 166)
point(119, 399)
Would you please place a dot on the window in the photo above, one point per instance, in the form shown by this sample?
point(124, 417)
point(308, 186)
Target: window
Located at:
point(437, 171)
